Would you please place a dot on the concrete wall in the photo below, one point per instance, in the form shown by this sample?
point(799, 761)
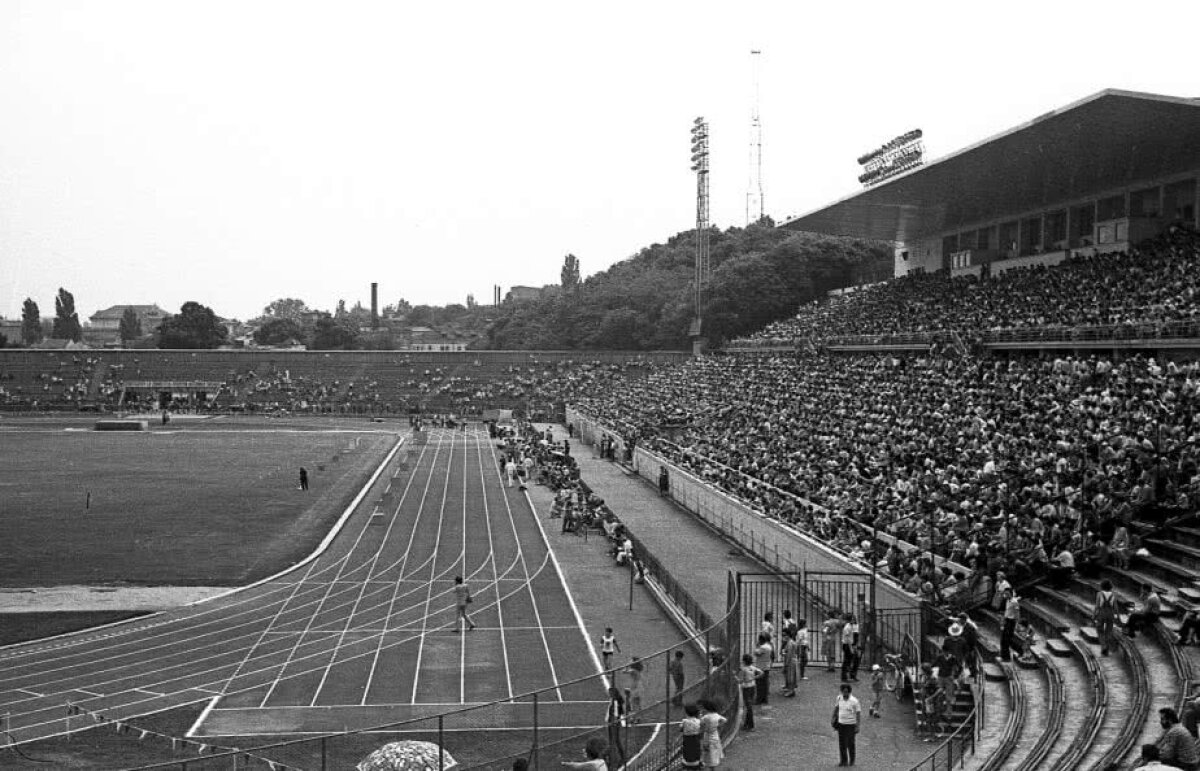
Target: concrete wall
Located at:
point(1050, 258)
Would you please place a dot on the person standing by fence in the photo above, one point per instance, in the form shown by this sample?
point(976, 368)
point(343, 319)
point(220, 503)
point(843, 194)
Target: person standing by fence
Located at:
point(831, 632)
point(790, 653)
point(850, 649)
point(711, 720)
point(748, 675)
point(675, 670)
point(847, 715)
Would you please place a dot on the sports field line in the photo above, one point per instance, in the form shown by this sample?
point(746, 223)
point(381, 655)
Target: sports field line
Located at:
point(141, 622)
point(404, 564)
point(383, 542)
point(570, 597)
point(457, 706)
point(220, 643)
point(341, 567)
point(487, 513)
point(416, 630)
point(330, 536)
point(197, 688)
point(284, 605)
point(437, 542)
point(537, 613)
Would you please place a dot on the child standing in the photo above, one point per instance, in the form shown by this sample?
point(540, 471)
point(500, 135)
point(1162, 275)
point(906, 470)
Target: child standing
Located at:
point(790, 651)
point(748, 676)
point(877, 688)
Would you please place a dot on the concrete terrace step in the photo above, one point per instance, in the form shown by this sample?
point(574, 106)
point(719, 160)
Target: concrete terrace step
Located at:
point(1168, 573)
point(1186, 535)
point(1090, 634)
point(1000, 711)
point(1121, 684)
point(994, 672)
point(1187, 556)
point(1059, 648)
point(1037, 713)
point(1080, 689)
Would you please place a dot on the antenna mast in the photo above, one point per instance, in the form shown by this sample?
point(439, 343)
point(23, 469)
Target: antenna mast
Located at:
point(754, 192)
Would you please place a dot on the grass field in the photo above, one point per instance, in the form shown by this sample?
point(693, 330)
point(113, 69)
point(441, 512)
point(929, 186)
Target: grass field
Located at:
point(226, 490)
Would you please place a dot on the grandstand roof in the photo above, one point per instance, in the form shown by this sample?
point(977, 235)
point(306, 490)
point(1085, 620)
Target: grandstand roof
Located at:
point(1104, 141)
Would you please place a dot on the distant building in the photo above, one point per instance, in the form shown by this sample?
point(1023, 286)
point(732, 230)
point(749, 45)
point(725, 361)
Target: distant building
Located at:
point(104, 326)
point(11, 329)
point(520, 294)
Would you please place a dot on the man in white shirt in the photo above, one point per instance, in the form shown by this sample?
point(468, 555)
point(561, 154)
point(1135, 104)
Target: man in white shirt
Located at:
point(847, 715)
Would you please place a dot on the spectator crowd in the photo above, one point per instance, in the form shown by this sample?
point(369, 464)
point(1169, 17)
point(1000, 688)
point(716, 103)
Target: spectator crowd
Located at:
point(1142, 291)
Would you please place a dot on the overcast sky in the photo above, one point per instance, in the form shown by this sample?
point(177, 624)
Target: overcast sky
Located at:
point(236, 152)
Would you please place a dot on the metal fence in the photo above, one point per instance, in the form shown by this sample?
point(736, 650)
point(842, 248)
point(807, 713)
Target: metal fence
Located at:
point(954, 751)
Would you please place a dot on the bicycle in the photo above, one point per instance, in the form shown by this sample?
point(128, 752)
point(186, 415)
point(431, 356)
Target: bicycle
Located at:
point(896, 674)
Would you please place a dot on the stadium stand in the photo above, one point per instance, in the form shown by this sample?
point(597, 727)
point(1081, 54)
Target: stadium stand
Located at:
point(1152, 291)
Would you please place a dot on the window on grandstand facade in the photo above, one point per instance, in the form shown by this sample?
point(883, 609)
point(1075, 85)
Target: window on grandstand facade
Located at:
point(1110, 208)
point(1145, 203)
point(1056, 230)
point(1083, 225)
point(1031, 236)
point(1008, 237)
point(983, 238)
point(1179, 201)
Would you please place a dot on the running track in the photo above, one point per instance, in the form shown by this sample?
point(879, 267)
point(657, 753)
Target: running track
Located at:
point(363, 635)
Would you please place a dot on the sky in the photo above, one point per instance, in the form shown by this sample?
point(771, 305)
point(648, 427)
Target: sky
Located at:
point(233, 153)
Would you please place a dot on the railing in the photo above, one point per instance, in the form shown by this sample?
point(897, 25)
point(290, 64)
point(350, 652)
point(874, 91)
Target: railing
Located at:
point(954, 750)
point(1143, 330)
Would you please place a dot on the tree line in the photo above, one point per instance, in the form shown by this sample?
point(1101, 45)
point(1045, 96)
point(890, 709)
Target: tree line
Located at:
point(759, 274)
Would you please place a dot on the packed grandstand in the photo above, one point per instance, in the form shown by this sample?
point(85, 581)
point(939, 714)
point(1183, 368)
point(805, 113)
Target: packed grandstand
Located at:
point(957, 431)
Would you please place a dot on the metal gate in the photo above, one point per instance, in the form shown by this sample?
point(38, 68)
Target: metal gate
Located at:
point(815, 597)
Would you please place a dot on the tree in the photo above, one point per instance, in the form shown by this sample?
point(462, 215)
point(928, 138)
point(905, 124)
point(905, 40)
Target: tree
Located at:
point(131, 325)
point(334, 335)
point(278, 331)
point(286, 308)
point(66, 320)
point(195, 326)
point(3, 341)
point(31, 322)
point(570, 273)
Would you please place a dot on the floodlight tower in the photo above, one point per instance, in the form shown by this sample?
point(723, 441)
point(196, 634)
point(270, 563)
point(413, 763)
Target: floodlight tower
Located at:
point(700, 166)
point(754, 189)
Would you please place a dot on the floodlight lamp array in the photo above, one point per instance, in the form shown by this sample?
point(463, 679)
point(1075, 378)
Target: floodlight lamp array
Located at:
point(700, 146)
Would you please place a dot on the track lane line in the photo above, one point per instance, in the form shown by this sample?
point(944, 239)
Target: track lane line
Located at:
point(487, 515)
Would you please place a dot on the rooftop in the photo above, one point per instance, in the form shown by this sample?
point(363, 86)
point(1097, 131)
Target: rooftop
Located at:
point(1099, 143)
